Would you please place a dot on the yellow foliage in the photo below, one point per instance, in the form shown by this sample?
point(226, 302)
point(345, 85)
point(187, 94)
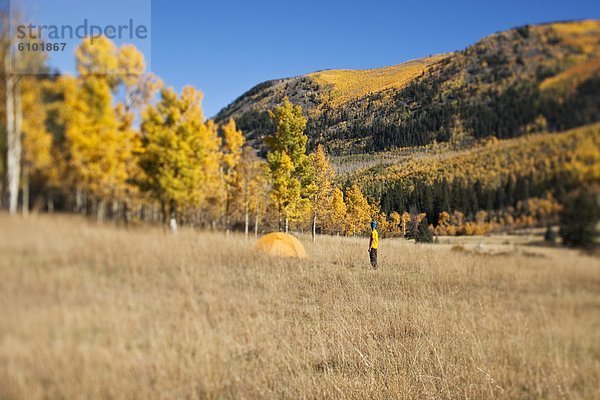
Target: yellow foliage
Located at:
point(98, 151)
point(97, 57)
point(351, 84)
point(334, 219)
point(324, 176)
point(231, 155)
point(254, 183)
point(180, 156)
point(567, 81)
point(580, 34)
point(577, 151)
point(577, 27)
point(358, 211)
point(289, 164)
point(233, 141)
point(406, 218)
point(37, 141)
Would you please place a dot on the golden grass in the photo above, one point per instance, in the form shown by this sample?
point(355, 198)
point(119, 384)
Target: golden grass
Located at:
point(351, 84)
point(101, 312)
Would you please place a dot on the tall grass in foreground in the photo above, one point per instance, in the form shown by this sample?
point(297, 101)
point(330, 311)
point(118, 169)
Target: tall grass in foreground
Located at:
point(88, 311)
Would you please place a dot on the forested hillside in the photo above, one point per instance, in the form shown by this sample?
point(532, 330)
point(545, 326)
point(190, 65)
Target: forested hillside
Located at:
point(528, 79)
point(514, 182)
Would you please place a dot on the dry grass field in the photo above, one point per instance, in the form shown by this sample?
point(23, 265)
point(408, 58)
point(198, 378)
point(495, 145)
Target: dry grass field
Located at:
point(90, 311)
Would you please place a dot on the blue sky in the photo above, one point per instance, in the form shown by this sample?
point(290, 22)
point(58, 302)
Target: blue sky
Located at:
point(226, 47)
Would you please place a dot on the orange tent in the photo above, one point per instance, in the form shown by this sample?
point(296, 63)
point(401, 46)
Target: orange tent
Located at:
point(280, 245)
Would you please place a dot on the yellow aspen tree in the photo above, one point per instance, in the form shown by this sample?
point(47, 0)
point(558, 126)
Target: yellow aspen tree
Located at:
point(254, 187)
point(98, 59)
point(138, 88)
point(395, 223)
point(92, 139)
point(128, 192)
point(12, 90)
point(323, 185)
point(139, 85)
point(209, 206)
point(261, 187)
point(335, 219)
point(358, 210)
point(458, 219)
point(37, 141)
point(180, 153)
point(285, 188)
point(231, 150)
point(443, 224)
point(99, 140)
point(383, 224)
point(406, 218)
point(291, 172)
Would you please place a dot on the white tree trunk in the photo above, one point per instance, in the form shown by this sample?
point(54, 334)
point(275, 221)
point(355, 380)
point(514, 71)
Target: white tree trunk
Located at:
point(173, 224)
point(13, 142)
point(172, 219)
point(256, 226)
point(287, 225)
point(101, 211)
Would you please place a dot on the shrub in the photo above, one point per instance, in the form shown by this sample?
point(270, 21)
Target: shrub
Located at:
point(580, 217)
point(423, 234)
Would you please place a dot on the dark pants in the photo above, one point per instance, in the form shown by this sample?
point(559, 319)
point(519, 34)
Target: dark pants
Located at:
point(373, 257)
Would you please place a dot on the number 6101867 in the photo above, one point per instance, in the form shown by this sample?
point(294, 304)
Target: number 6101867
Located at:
point(41, 46)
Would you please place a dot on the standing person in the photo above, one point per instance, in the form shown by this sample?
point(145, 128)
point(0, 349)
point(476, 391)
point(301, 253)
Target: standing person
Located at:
point(373, 244)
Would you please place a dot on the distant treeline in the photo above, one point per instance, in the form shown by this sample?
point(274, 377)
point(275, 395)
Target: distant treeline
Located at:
point(469, 198)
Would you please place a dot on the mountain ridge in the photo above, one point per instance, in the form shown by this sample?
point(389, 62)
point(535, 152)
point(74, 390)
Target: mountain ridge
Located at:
point(496, 87)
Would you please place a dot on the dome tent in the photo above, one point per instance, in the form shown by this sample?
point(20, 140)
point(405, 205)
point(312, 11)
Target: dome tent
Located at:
point(280, 244)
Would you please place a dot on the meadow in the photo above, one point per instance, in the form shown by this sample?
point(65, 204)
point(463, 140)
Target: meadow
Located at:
point(97, 311)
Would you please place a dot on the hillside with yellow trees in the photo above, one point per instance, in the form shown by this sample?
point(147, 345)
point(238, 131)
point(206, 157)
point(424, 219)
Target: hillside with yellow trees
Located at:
point(502, 184)
point(527, 79)
point(347, 84)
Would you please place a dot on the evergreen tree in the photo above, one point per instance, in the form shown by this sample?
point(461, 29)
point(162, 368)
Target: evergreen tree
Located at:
point(580, 218)
point(423, 235)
